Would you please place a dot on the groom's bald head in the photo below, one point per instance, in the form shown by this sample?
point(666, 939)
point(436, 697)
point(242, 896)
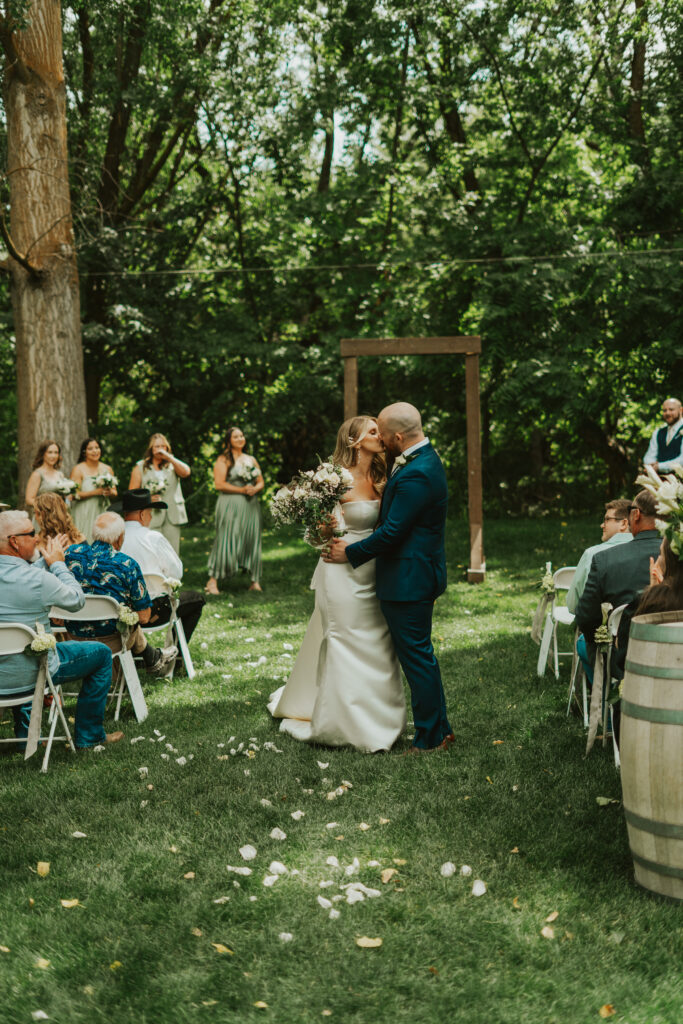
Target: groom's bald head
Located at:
point(400, 425)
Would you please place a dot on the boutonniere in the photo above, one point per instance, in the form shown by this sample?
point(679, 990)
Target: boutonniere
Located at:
point(400, 461)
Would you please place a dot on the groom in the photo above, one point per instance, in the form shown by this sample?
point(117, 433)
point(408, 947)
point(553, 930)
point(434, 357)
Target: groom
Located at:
point(411, 565)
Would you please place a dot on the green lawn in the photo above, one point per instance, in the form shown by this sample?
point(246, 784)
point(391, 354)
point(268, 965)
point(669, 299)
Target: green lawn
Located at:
point(522, 813)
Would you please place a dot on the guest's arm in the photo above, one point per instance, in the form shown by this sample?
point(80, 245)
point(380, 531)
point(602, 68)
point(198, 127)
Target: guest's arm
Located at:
point(651, 454)
point(579, 582)
point(32, 488)
point(58, 584)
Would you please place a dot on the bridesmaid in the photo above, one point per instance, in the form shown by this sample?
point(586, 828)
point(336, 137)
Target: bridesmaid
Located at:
point(160, 468)
point(238, 479)
point(47, 474)
point(90, 500)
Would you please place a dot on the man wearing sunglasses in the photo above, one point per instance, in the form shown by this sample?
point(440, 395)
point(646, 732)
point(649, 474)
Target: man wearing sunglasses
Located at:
point(27, 592)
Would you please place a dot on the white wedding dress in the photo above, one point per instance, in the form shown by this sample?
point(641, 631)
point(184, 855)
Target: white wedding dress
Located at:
point(345, 687)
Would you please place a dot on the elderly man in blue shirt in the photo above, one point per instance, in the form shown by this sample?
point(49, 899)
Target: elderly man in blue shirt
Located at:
point(27, 592)
point(102, 568)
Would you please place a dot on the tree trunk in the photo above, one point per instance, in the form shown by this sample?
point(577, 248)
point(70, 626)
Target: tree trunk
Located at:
point(42, 263)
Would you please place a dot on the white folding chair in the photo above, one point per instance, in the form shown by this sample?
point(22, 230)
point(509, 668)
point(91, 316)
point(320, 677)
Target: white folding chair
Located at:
point(578, 671)
point(558, 614)
point(174, 627)
point(14, 638)
point(613, 623)
point(98, 608)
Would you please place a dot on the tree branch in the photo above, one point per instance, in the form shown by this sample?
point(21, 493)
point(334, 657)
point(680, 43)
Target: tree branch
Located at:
point(35, 273)
point(14, 61)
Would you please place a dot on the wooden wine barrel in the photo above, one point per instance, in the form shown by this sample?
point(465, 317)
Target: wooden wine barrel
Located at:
point(651, 749)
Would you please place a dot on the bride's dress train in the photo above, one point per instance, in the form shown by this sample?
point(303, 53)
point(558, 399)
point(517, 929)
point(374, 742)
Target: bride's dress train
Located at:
point(345, 687)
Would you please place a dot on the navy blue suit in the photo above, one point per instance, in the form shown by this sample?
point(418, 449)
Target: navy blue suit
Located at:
point(408, 545)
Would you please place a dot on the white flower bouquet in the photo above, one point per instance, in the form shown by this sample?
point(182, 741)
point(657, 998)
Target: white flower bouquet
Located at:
point(42, 643)
point(668, 493)
point(106, 480)
point(310, 498)
point(156, 485)
point(127, 619)
point(547, 583)
point(66, 487)
point(173, 584)
point(247, 473)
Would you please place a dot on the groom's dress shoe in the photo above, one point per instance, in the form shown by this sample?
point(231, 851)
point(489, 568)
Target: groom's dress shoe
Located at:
point(444, 745)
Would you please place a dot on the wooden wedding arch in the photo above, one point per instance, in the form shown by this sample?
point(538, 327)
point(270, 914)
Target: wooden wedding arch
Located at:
point(470, 347)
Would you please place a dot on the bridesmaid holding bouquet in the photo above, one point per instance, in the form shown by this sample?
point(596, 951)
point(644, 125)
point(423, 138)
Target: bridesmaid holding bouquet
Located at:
point(161, 472)
point(238, 480)
point(96, 487)
point(47, 476)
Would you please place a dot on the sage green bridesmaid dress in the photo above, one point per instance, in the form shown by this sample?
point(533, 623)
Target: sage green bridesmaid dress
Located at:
point(237, 544)
point(84, 511)
point(167, 521)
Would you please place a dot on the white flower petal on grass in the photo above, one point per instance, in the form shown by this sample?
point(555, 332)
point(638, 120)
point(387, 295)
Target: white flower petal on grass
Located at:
point(252, 899)
point(285, 936)
point(323, 765)
point(136, 739)
point(181, 761)
point(332, 824)
point(354, 896)
point(39, 1015)
point(270, 880)
point(204, 646)
point(478, 887)
point(247, 852)
point(160, 739)
point(332, 861)
point(364, 826)
point(297, 815)
point(265, 802)
point(98, 749)
point(465, 870)
point(144, 772)
point(79, 835)
point(249, 639)
point(226, 677)
point(287, 647)
point(325, 884)
point(277, 833)
point(324, 903)
point(239, 870)
point(208, 664)
point(373, 863)
point(363, 889)
point(165, 757)
point(285, 655)
point(276, 867)
point(353, 867)
point(221, 899)
point(334, 914)
point(448, 869)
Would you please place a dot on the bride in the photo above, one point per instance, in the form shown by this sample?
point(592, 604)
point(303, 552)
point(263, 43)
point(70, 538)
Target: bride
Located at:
point(345, 687)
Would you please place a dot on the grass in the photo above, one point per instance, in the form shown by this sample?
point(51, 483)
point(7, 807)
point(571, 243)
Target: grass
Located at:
point(522, 813)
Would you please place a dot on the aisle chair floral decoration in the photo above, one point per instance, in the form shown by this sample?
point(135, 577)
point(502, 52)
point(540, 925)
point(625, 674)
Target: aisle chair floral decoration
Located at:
point(668, 493)
point(309, 500)
point(603, 644)
point(547, 586)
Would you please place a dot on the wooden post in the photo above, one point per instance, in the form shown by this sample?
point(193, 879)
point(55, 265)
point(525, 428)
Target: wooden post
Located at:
point(477, 568)
point(350, 387)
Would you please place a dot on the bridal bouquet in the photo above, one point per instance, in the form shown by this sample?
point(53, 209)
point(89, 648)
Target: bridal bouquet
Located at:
point(310, 498)
point(66, 487)
point(106, 480)
point(669, 495)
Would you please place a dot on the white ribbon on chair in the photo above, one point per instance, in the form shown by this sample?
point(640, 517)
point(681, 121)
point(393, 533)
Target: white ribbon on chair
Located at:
point(545, 603)
point(36, 710)
point(600, 676)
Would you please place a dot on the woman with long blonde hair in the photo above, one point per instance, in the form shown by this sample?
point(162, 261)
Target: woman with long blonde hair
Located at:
point(345, 688)
point(161, 472)
point(54, 520)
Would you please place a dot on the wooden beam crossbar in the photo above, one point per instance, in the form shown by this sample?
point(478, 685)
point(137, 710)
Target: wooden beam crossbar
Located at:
point(470, 348)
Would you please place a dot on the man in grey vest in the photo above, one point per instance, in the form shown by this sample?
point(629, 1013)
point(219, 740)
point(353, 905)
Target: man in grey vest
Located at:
point(665, 450)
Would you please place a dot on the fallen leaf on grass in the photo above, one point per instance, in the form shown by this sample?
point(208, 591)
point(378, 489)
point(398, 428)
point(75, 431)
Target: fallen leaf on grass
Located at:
point(548, 932)
point(68, 904)
point(326, 1013)
point(384, 821)
point(498, 742)
point(4, 949)
point(365, 943)
point(388, 874)
point(115, 965)
point(399, 860)
point(197, 932)
point(603, 801)
point(189, 875)
point(209, 1002)
point(220, 948)
point(515, 849)
point(607, 1011)
point(489, 780)
point(31, 901)
point(42, 963)
point(552, 917)
point(173, 849)
point(364, 826)
point(43, 868)
point(516, 904)
point(260, 1005)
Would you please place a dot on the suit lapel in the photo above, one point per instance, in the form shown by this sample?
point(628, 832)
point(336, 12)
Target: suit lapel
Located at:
point(386, 500)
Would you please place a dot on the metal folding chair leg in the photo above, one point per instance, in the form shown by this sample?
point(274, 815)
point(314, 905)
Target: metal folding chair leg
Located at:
point(184, 649)
point(56, 713)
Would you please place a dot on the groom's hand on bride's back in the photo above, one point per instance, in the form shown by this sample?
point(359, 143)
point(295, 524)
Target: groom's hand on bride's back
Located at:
point(335, 551)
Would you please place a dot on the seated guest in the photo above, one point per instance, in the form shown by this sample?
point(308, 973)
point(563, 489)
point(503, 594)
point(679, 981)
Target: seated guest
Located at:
point(156, 557)
point(665, 450)
point(665, 593)
point(102, 568)
point(616, 575)
point(54, 520)
point(27, 592)
point(614, 531)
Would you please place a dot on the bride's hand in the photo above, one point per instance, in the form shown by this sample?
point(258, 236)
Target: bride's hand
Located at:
point(332, 522)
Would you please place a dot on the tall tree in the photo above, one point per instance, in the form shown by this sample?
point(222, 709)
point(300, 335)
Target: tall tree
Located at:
point(41, 257)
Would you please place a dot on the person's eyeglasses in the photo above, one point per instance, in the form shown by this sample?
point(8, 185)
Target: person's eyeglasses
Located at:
point(31, 533)
point(613, 519)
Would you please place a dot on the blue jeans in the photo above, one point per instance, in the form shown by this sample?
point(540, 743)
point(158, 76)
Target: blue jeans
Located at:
point(90, 662)
point(410, 625)
point(582, 651)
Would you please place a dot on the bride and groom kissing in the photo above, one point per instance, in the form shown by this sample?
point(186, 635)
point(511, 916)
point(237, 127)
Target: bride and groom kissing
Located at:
point(375, 589)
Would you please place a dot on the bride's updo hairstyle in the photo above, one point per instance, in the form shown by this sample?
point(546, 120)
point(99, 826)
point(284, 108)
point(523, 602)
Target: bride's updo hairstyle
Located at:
point(349, 436)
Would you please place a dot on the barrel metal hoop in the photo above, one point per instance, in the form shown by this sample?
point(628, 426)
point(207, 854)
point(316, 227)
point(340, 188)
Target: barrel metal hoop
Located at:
point(656, 671)
point(656, 634)
point(659, 869)
point(655, 828)
point(660, 716)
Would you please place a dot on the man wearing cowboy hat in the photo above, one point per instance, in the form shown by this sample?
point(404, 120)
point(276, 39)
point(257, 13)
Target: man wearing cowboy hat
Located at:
point(156, 557)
